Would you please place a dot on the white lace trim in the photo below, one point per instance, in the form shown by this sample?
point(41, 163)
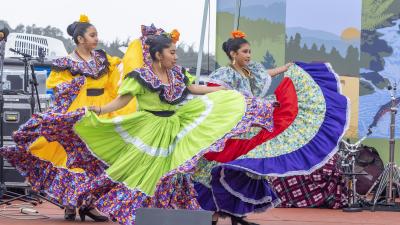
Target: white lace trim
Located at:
point(263, 200)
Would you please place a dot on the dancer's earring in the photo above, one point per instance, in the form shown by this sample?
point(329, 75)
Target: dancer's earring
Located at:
point(234, 61)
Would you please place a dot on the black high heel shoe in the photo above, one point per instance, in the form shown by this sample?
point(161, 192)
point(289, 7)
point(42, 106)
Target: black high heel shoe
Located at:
point(86, 211)
point(240, 220)
point(69, 214)
point(215, 218)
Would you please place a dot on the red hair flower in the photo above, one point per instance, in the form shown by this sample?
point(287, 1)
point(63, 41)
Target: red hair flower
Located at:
point(175, 35)
point(238, 34)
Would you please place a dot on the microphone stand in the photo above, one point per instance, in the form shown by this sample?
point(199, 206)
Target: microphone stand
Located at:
point(34, 87)
point(26, 59)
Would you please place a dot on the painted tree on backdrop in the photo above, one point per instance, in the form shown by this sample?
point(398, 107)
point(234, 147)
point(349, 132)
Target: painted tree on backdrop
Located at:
point(347, 65)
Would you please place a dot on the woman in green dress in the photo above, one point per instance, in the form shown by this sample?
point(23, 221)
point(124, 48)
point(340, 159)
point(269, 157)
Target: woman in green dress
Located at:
point(151, 154)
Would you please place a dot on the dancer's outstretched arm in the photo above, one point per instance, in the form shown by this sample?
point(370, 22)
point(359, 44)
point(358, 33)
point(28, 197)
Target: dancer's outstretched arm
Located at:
point(119, 102)
point(278, 70)
point(202, 89)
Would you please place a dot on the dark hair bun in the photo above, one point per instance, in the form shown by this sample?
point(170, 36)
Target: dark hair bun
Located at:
point(150, 40)
point(233, 44)
point(77, 29)
point(225, 46)
point(71, 28)
point(157, 43)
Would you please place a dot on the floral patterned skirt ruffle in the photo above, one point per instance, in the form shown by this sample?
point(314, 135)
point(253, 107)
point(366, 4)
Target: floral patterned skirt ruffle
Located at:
point(308, 125)
point(119, 200)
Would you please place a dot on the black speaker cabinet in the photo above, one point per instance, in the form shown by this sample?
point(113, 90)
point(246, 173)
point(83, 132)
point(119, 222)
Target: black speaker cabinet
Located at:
point(12, 177)
point(17, 110)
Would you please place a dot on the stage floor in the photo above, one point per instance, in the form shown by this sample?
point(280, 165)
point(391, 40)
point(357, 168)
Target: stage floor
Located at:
point(272, 217)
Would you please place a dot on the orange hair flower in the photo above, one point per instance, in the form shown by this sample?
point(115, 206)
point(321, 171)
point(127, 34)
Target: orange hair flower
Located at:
point(84, 19)
point(175, 35)
point(238, 34)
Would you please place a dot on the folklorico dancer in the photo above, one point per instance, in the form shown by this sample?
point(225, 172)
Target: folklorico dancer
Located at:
point(311, 119)
point(149, 154)
point(100, 75)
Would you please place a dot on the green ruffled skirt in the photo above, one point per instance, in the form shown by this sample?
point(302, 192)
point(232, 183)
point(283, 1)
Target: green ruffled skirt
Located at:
point(141, 148)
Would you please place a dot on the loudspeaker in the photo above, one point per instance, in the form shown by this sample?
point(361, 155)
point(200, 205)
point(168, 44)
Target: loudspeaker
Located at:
point(154, 216)
point(13, 81)
point(17, 110)
point(12, 177)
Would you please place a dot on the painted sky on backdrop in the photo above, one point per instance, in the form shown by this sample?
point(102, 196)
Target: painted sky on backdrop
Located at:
point(333, 16)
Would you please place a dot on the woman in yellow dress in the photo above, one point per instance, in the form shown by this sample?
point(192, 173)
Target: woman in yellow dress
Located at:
point(100, 87)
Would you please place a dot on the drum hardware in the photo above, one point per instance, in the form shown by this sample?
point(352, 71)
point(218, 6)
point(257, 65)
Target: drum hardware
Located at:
point(391, 174)
point(388, 180)
point(348, 154)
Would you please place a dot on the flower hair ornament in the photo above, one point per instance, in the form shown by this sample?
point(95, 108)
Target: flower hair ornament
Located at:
point(174, 35)
point(238, 34)
point(84, 19)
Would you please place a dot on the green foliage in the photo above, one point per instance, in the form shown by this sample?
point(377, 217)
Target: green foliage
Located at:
point(4, 23)
point(187, 57)
point(375, 13)
point(48, 31)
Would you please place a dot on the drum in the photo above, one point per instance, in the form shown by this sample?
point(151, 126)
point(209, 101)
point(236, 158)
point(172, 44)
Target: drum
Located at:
point(367, 161)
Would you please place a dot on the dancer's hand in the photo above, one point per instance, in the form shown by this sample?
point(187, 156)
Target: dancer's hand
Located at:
point(278, 70)
point(95, 109)
point(287, 65)
point(276, 104)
